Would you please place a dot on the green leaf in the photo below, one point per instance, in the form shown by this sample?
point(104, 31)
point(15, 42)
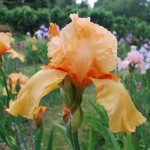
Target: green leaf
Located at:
point(128, 143)
point(102, 113)
point(38, 138)
point(62, 130)
point(90, 141)
point(100, 126)
point(7, 138)
point(51, 139)
point(113, 140)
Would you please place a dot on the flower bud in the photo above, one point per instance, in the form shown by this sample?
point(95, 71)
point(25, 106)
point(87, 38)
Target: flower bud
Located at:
point(69, 88)
point(38, 115)
point(76, 119)
point(72, 117)
point(64, 97)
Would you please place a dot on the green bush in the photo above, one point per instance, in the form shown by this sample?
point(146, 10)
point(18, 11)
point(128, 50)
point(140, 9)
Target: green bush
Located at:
point(43, 17)
point(38, 56)
point(57, 16)
point(120, 25)
point(124, 26)
point(140, 29)
point(84, 12)
point(103, 18)
point(4, 15)
point(148, 32)
point(23, 19)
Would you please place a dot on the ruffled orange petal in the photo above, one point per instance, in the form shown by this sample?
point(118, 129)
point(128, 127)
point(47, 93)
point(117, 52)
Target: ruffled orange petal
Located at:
point(123, 116)
point(55, 53)
point(30, 95)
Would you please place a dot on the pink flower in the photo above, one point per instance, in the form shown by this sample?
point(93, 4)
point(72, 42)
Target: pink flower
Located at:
point(135, 57)
point(118, 59)
point(133, 47)
point(28, 33)
point(123, 64)
point(141, 68)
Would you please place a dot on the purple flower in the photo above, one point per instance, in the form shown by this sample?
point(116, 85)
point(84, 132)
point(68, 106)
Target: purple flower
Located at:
point(42, 27)
point(129, 38)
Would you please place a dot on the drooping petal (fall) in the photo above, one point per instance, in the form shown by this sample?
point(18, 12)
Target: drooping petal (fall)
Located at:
point(4, 43)
point(30, 95)
point(123, 116)
point(83, 42)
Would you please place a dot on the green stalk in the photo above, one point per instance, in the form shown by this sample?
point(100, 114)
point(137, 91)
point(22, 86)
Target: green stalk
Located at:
point(75, 143)
point(72, 97)
point(131, 84)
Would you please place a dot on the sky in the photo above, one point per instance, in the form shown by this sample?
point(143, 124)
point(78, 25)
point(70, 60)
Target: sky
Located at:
point(90, 2)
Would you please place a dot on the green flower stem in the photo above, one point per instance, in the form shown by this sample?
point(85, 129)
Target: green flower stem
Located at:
point(76, 145)
point(78, 98)
point(74, 125)
point(131, 84)
point(72, 98)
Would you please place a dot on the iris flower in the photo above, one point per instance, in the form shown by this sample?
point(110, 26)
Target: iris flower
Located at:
point(4, 43)
point(5, 46)
point(15, 79)
point(87, 53)
point(13, 54)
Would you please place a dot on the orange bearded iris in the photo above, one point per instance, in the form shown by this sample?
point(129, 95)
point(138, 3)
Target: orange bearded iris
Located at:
point(87, 53)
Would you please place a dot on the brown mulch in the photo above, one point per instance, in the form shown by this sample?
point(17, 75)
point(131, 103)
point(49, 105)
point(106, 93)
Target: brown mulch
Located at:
point(5, 28)
point(4, 147)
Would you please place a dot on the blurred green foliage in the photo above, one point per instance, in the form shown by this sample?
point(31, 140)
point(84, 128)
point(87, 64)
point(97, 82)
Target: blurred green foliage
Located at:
point(38, 56)
point(113, 16)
